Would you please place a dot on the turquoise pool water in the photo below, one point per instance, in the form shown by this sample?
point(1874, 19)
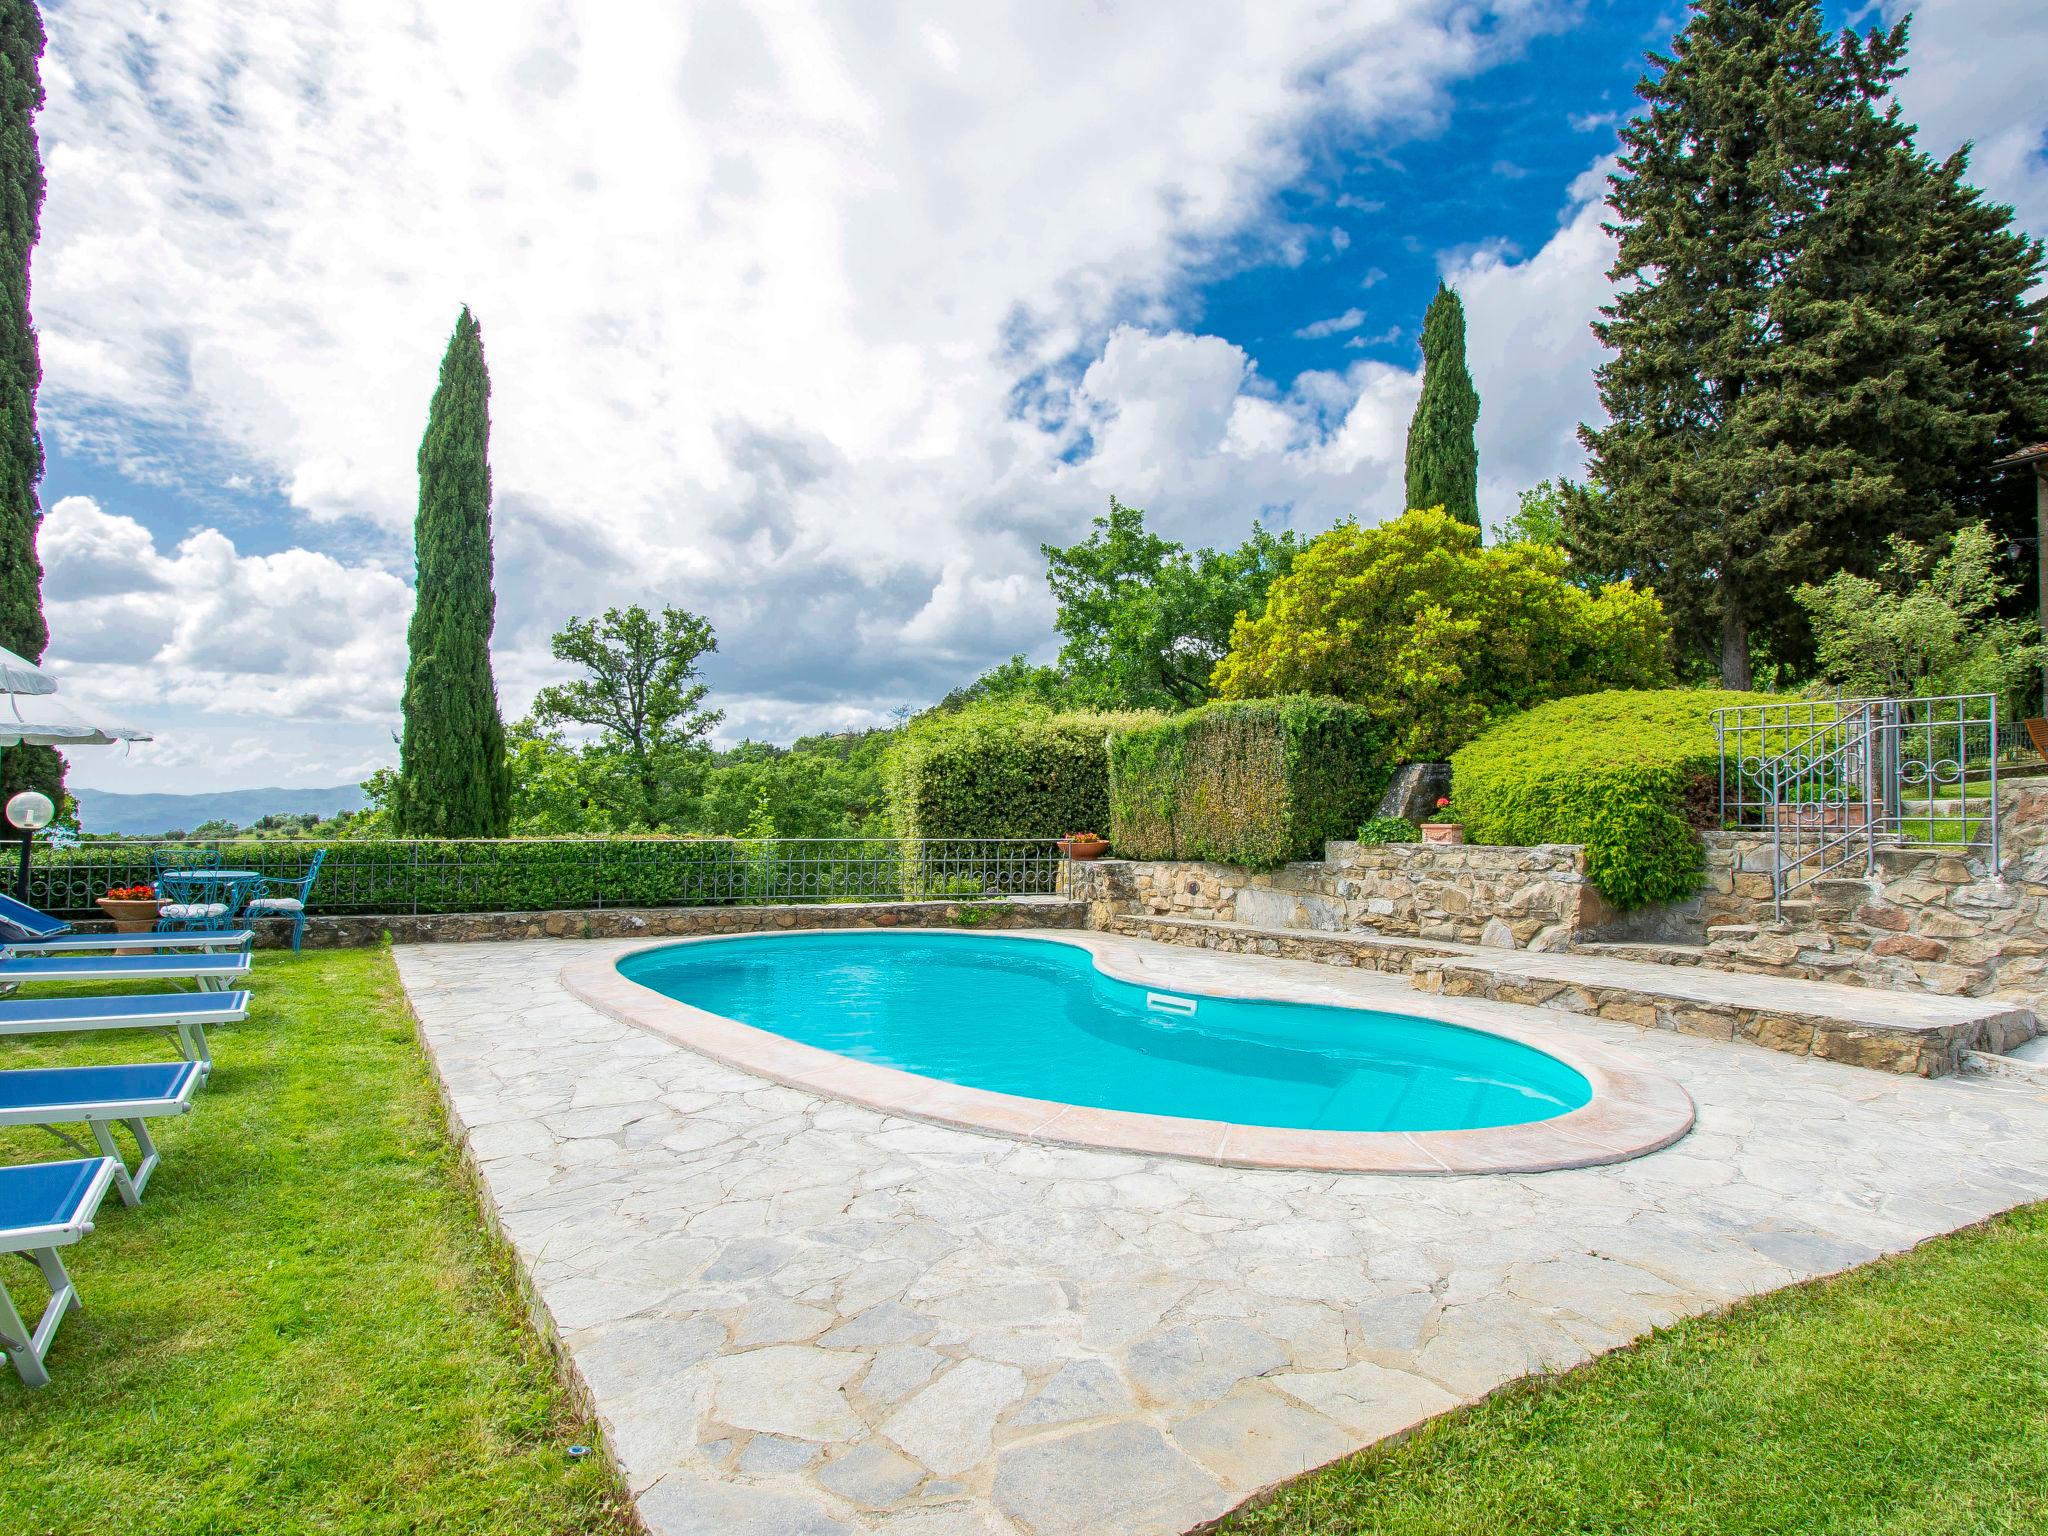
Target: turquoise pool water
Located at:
point(1038, 1020)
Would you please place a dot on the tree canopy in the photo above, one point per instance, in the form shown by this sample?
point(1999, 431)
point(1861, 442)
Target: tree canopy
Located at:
point(1822, 337)
point(1437, 635)
point(1145, 621)
point(641, 691)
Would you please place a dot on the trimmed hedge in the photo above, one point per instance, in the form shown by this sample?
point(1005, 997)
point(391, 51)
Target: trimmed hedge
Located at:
point(1613, 771)
point(1256, 783)
point(1005, 772)
point(378, 876)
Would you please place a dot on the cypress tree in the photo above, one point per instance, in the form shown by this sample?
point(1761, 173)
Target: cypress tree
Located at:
point(1821, 336)
point(1443, 453)
point(21, 370)
point(453, 776)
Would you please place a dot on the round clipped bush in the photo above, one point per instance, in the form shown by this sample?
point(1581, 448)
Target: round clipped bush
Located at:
point(1612, 771)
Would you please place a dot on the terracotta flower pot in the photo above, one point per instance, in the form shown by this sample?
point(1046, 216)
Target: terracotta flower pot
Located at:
point(130, 916)
point(1075, 848)
point(1443, 832)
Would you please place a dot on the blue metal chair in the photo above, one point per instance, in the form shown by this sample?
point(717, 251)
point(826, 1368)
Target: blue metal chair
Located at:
point(291, 900)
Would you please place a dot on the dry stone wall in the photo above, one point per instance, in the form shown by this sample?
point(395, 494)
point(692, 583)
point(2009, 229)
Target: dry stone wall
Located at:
point(1507, 898)
point(1925, 919)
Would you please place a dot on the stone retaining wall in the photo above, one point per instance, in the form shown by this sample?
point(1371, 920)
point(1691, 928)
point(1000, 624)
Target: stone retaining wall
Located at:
point(649, 922)
point(1936, 919)
point(1507, 898)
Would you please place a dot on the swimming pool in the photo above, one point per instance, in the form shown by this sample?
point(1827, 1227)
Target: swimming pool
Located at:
point(1040, 1021)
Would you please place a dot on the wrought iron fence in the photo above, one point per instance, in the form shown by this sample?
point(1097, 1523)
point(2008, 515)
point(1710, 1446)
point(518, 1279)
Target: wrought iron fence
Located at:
point(1834, 781)
point(393, 877)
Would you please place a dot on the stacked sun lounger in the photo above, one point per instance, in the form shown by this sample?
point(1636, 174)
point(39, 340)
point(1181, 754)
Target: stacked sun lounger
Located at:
point(47, 1206)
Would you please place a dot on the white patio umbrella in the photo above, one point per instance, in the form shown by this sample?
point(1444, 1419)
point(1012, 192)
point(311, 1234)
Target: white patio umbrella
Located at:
point(20, 675)
point(60, 733)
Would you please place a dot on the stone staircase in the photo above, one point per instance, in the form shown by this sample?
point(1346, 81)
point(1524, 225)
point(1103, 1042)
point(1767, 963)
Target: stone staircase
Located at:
point(1673, 986)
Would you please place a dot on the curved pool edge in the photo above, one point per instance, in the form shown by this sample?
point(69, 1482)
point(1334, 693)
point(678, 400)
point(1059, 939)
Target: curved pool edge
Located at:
point(1634, 1109)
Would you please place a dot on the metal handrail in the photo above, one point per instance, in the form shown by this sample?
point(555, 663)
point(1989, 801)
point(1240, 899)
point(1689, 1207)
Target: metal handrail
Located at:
point(1832, 779)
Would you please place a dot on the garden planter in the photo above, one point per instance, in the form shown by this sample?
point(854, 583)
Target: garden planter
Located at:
point(1084, 848)
point(1443, 832)
point(130, 915)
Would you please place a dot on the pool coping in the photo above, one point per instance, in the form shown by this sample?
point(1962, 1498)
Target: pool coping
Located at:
point(1634, 1109)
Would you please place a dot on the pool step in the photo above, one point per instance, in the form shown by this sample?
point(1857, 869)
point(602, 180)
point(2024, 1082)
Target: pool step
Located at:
point(1895, 1032)
point(1364, 951)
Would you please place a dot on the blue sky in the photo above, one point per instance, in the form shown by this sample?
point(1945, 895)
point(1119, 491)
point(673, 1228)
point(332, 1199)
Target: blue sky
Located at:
point(816, 325)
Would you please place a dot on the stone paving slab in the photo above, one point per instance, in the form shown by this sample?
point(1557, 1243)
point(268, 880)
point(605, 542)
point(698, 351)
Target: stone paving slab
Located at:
point(799, 1316)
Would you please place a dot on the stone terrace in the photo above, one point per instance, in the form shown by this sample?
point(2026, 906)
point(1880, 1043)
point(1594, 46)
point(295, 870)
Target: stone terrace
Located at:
point(801, 1318)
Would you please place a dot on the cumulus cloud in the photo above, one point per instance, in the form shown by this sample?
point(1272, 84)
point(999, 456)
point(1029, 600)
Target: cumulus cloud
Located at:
point(817, 321)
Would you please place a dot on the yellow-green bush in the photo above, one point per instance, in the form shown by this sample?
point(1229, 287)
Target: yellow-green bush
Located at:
point(1005, 772)
point(1439, 635)
point(1256, 783)
point(1625, 773)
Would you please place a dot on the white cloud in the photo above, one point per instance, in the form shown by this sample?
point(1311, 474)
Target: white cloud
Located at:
point(1336, 325)
point(758, 290)
point(1974, 75)
point(214, 649)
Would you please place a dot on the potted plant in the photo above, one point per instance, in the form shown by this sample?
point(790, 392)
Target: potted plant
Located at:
point(1445, 826)
point(1083, 845)
point(132, 907)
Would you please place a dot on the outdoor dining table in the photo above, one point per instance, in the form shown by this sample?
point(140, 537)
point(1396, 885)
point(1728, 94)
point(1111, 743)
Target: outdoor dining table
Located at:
point(230, 888)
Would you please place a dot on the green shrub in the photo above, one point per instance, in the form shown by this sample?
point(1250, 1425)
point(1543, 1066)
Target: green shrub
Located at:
point(1382, 830)
point(1004, 772)
point(1613, 771)
point(1255, 783)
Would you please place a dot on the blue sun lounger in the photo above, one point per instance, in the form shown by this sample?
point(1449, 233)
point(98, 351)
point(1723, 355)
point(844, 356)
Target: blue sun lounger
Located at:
point(26, 931)
point(101, 1096)
point(209, 973)
point(44, 1207)
point(186, 1014)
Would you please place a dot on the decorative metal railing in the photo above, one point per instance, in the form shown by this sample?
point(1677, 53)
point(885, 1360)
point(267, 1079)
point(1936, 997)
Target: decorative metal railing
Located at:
point(1834, 781)
point(394, 877)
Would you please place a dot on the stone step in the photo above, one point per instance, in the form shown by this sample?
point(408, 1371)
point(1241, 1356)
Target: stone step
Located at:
point(1916, 1033)
point(1388, 953)
point(1654, 954)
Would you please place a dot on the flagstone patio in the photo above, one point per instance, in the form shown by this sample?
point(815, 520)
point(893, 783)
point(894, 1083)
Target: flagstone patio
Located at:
point(797, 1317)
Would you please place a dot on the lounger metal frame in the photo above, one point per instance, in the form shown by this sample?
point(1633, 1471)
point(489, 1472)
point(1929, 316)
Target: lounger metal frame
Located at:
point(28, 1347)
point(100, 1116)
point(207, 972)
point(189, 1025)
point(215, 941)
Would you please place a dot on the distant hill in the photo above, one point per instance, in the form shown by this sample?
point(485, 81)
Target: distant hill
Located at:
point(103, 811)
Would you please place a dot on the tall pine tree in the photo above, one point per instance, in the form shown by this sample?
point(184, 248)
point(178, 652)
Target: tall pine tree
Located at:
point(21, 371)
point(1822, 337)
point(453, 777)
point(1443, 453)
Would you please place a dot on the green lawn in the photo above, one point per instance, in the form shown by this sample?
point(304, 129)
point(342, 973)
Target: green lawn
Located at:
point(305, 1328)
point(1907, 1399)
